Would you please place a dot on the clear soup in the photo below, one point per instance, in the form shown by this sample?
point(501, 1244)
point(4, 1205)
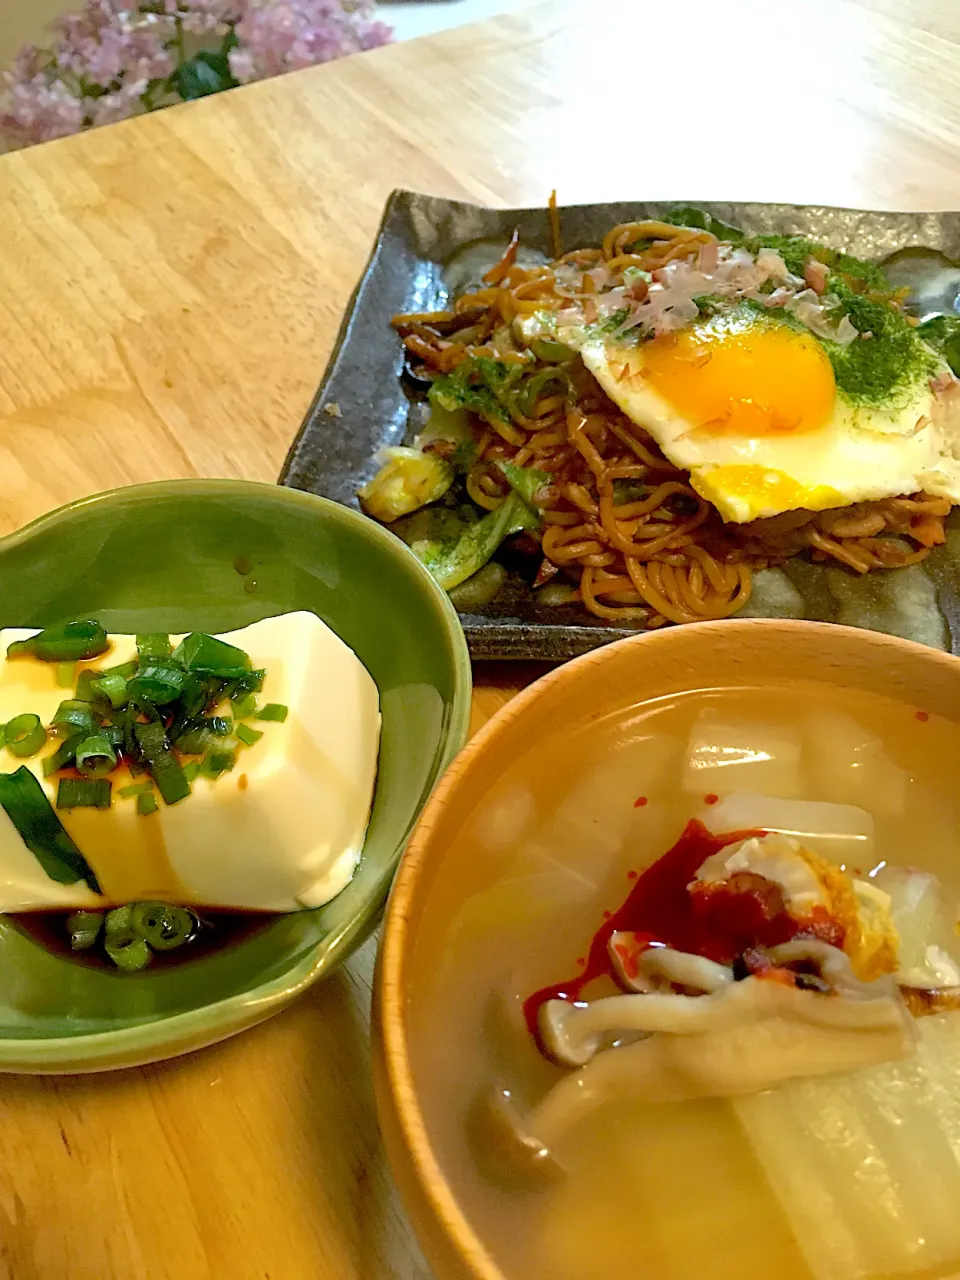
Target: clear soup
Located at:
point(842, 1177)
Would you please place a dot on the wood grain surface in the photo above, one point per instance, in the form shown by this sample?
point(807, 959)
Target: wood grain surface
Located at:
point(169, 291)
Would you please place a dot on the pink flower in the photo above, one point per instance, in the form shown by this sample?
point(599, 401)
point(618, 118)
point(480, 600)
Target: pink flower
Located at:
point(115, 58)
point(37, 111)
point(291, 34)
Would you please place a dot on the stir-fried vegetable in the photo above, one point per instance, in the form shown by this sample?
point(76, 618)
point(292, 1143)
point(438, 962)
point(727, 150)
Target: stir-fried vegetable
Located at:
point(453, 561)
point(408, 479)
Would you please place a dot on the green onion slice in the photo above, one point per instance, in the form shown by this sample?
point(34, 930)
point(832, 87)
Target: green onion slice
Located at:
point(165, 768)
point(273, 711)
point(146, 804)
point(26, 804)
point(127, 950)
point(65, 674)
point(247, 735)
point(153, 645)
point(113, 687)
point(209, 656)
point(218, 760)
point(160, 682)
point(66, 642)
point(164, 927)
point(24, 735)
point(84, 680)
point(84, 793)
point(96, 756)
point(63, 756)
point(245, 705)
point(84, 929)
point(135, 789)
point(75, 716)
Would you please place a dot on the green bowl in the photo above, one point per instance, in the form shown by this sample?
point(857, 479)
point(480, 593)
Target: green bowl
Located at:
point(168, 557)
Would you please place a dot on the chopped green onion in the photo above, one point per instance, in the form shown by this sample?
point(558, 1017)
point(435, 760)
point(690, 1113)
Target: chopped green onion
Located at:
point(3, 734)
point(273, 711)
point(164, 927)
point(250, 682)
point(146, 804)
point(96, 756)
point(165, 768)
point(84, 681)
point(218, 760)
point(66, 642)
point(125, 669)
point(194, 742)
point(27, 806)
point(144, 705)
point(247, 735)
point(127, 950)
point(84, 929)
point(209, 656)
point(113, 734)
point(153, 645)
point(65, 673)
point(161, 682)
point(63, 756)
point(192, 770)
point(84, 793)
point(118, 920)
point(113, 687)
point(75, 716)
point(124, 721)
point(135, 789)
point(24, 735)
point(245, 705)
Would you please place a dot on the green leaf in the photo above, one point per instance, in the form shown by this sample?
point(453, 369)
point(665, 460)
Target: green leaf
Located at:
point(452, 562)
point(220, 63)
point(195, 78)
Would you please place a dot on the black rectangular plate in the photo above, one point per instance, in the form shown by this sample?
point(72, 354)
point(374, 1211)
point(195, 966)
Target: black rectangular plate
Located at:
point(361, 406)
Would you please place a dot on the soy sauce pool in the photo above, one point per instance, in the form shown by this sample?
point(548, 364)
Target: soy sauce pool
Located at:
point(216, 931)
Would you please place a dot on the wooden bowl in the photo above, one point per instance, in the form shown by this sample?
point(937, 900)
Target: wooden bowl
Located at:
point(609, 680)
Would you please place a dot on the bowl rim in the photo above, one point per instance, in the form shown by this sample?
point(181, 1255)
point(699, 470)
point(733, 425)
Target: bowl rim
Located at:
point(389, 996)
point(171, 1035)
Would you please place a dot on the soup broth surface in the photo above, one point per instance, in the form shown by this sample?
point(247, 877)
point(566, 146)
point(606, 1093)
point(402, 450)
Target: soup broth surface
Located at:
point(674, 1191)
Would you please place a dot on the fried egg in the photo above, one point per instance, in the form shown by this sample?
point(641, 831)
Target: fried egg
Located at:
point(749, 406)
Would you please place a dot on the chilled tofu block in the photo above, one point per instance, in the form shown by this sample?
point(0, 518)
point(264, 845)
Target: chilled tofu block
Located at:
point(282, 831)
point(846, 762)
point(725, 754)
point(839, 832)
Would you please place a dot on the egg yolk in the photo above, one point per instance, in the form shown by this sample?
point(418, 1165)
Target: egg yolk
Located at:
point(761, 490)
point(736, 377)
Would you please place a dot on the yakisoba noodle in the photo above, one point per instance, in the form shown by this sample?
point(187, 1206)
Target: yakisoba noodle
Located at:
point(621, 523)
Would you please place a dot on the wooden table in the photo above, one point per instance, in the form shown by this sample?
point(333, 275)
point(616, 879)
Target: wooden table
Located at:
point(169, 290)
